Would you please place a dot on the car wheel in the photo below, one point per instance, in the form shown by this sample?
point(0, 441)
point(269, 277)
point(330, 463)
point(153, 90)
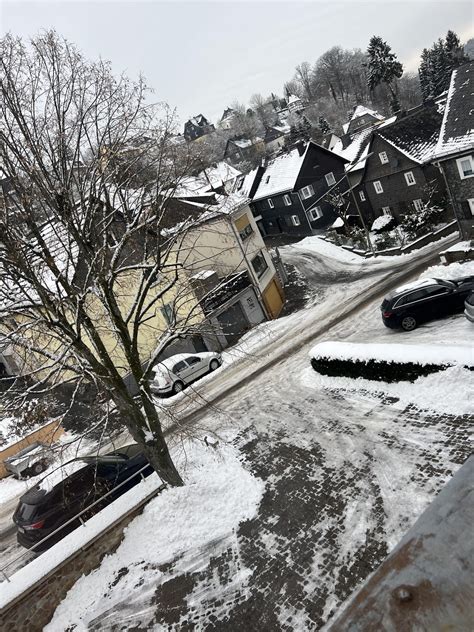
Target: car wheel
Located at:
point(409, 323)
point(213, 365)
point(37, 468)
point(178, 387)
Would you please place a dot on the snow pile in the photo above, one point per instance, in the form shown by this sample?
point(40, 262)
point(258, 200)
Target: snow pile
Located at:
point(382, 222)
point(461, 246)
point(402, 353)
point(326, 249)
point(450, 391)
point(454, 270)
point(218, 495)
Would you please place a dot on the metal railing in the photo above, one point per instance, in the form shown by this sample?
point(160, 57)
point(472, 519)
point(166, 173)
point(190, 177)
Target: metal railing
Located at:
point(78, 516)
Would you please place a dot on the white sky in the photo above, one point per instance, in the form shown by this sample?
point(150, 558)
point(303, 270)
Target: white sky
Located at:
point(200, 56)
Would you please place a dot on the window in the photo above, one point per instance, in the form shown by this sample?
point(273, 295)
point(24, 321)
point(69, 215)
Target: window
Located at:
point(287, 200)
point(471, 205)
point(378, 187)
point(362, 196)
point(386, 210)
point(330, 179)
point(246, 232)
point(383, 157)
point(315, 213)
point(168, 313)
point(295, 220)
point(307, 192)
point(179, 367)
point(410, 178)
point(194, 360)
point(259, 264)
point(270, 203)
point(418, 205)
point(435, 290)
point(466, 167)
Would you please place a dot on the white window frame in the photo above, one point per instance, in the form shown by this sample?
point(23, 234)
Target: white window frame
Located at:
point(383, 157)
point(459, 161)
point(295, 220)
point(307, 192)
point(410, 178)
point(330, 179)
point(362, 196)
point(287, 200)
point(270, 203)
point(315, 213)
point(377, 186)
point(471, 205)
point(386, 210)
point(418, 204)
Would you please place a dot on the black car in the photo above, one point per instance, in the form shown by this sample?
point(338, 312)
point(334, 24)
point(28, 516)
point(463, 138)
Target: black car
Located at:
point(42, 510)
point(424, 300)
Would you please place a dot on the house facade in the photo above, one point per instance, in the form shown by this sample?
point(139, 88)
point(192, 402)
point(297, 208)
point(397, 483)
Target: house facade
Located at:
point(239, 150)
point(226, 249)
point(197, 127)
point(290, 195)
point(398, 176)
point(454, 152)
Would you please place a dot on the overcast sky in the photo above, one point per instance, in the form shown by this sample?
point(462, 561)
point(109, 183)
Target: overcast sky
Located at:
point(200, 56)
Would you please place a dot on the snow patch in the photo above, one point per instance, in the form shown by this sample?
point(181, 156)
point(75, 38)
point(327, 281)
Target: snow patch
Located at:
point(219, 494)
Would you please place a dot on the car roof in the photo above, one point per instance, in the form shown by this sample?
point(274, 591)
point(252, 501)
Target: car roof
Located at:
point(172, 360)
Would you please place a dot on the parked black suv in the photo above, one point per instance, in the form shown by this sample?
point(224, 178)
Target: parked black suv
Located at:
point(42, 510)
point(424, 300)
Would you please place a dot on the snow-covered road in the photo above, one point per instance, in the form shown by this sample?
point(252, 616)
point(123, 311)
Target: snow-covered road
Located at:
point(345, 473)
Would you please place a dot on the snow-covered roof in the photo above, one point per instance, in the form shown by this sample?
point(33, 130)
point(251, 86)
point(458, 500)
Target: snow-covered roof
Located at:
point(243, 184)
point(281, 174)
point(414, 135)
point(203, 274)
point(361, 110)
point(293, 99)
point(355, 150)
point(202, 184)
point(457, 129)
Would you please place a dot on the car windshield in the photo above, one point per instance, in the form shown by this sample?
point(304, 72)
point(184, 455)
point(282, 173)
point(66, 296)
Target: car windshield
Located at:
point(27, 512)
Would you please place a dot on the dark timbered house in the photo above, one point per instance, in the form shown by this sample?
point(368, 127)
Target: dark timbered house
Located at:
point(454, 153)
point(291, 195)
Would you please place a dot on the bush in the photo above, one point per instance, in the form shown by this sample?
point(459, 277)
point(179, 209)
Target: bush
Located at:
point(378, 370)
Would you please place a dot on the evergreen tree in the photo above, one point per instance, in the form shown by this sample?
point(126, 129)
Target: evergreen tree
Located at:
point(324, 125)
point(383, 67)
point(425, 73)
point(454, 51)
point(438, 63)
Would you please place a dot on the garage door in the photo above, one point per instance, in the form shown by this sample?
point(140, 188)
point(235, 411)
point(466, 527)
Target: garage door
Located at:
point(233, 323)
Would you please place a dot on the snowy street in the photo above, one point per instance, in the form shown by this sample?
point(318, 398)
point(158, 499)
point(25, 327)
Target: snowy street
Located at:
point(345, 475)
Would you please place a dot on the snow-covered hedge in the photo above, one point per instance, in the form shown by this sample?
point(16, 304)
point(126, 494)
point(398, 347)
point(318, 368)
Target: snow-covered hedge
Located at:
point(387, 362)
point(382, 222)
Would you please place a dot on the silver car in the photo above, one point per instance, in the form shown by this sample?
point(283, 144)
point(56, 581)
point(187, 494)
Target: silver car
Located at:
point(469, 307)
point(178, 371)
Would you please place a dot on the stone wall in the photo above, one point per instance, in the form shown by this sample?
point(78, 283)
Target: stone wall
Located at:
point(32, 610)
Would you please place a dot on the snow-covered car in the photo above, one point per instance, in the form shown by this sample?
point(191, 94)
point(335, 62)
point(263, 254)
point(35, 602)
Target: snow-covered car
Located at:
point(469, 307)
point(178, 371)
point(30, 461)
point(423, 300)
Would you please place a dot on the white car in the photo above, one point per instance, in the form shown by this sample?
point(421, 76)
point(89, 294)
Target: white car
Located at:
point(178, 371)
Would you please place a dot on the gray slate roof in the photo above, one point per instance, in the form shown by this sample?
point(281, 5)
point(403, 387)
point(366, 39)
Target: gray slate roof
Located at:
point(457, 129)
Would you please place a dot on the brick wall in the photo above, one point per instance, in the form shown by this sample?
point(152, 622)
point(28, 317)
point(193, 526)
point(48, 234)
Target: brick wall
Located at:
point(32, 610)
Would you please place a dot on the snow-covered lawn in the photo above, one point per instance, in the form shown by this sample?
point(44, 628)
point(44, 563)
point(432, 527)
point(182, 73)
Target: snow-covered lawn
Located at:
point(218, 495)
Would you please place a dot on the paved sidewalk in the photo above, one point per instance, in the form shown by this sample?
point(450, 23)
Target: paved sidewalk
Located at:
point(304, 553)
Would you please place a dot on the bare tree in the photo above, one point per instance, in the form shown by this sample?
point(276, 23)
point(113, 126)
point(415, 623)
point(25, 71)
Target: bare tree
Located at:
point(85, 265)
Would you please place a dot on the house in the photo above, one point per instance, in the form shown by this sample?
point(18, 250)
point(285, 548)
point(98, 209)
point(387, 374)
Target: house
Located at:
point(398, 175)
point(227, 118)
point(275, 137)
point(361, 118)
point(231, 271)
point(454, 151)
point(295, 104)
point(241, 149)
point(197, 127)
point(290, 195)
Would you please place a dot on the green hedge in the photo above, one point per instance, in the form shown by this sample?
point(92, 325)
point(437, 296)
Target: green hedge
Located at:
point(379, 370)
